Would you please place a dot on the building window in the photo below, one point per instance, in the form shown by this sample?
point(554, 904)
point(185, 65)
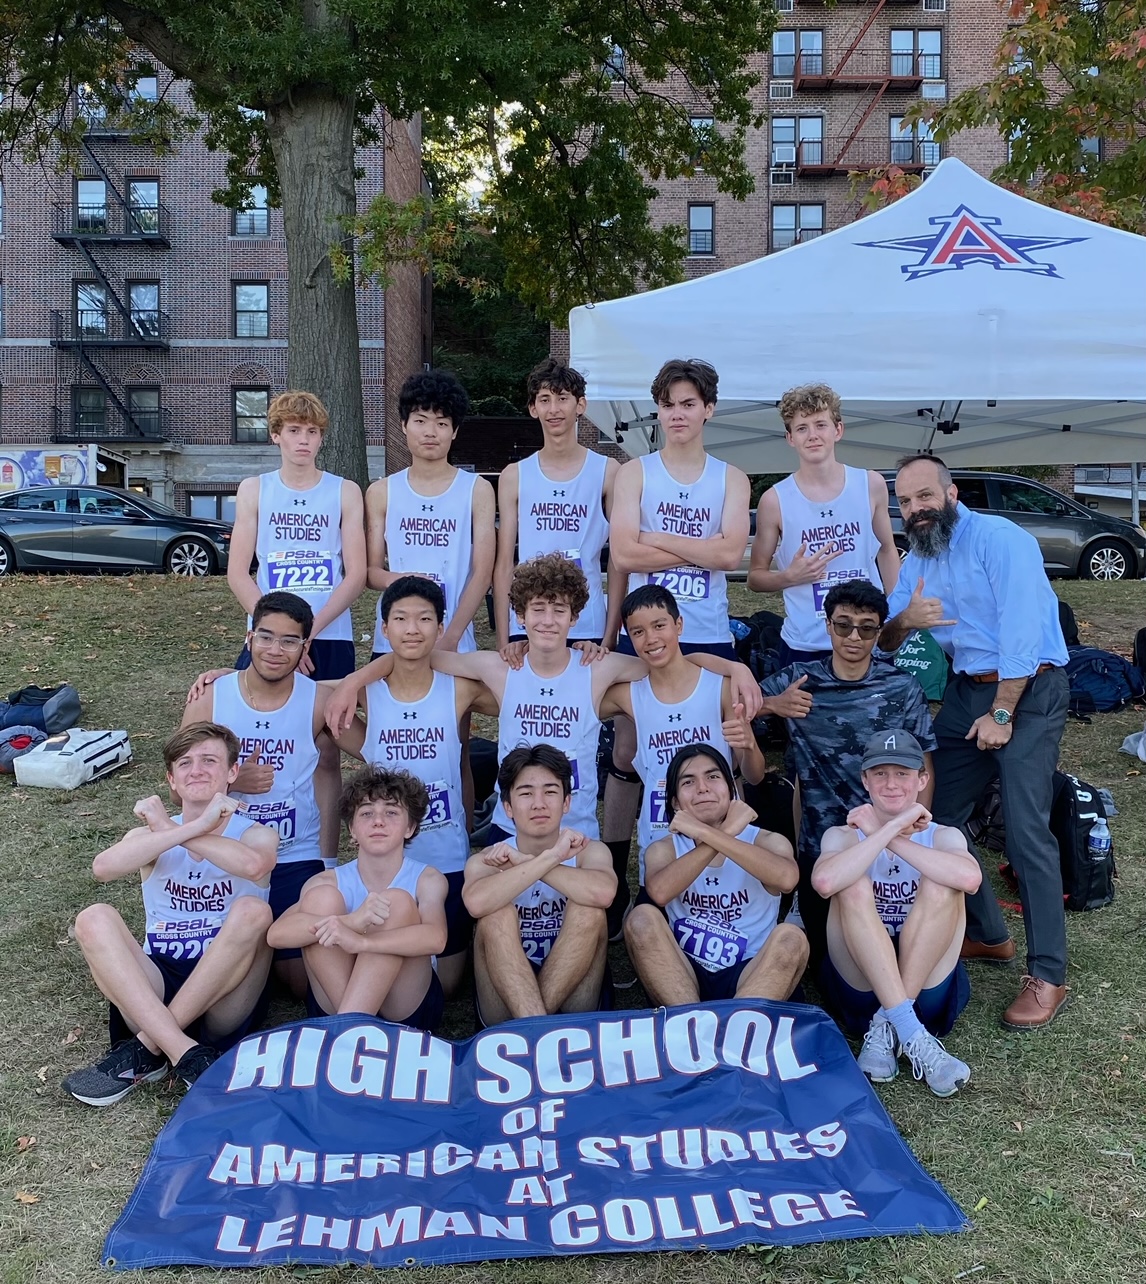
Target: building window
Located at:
point(783, 54)
point(702, 229)
point(91, 205)
point(89, 106)
point(250, 409)
point(213, 505)
point(615, 64)
point(917, 53)
point(811, 53)
point(143, 305)
point(143, 407)
point(252, 319)
point(145, 88)
point(794, 223)
point(703, 129)
point(912, 145)
point(785, 44)
point(89, 411)
point(91, 310)
point(807, 131)
point(251, 220)
point(143, 205)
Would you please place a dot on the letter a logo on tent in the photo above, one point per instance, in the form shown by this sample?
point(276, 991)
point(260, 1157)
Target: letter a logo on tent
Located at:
point(964, 238)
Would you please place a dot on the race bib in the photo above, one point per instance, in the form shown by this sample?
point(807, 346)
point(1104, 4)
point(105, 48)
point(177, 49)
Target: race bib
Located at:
point(573, 555)
point(301, 570)
point(710, 945)
point(187, 939)
point(540, 922)
point(438, 812)
point(685, 583)
point(819, 592)
point(279, 815)
point(576, 782)
point(658, 806)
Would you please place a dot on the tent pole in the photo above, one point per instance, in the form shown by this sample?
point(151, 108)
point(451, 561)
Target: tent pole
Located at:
point(1135, 504)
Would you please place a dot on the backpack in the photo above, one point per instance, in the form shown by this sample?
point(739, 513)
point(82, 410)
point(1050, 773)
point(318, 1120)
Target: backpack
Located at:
point(49, 709)
point(1075, 806)
point(1067, 623)
point(1140, 650)
point(923, 657)
point(1101, 681)
point(986, 822)
point(15, 741)
point(759, 646)
point(73, 758)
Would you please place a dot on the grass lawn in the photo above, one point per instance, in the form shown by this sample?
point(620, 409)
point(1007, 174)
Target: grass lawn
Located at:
point(1046, 1149)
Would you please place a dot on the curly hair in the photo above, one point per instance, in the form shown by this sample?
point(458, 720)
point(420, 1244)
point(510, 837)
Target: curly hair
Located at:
point(555, 376)
point(437, 391)
point(195, 733)
point(809, 399)
point(296, 408)
point(376, 784)
point(700, 374)
point(552, 578)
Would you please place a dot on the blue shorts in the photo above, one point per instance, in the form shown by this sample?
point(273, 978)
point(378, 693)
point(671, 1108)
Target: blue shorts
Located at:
point(937, 1008)
point(718, 985)
point(286, 887)
point(333, 659)
point(426, 1016)
point(459, 924)
point(175, 973)
point(722, 650)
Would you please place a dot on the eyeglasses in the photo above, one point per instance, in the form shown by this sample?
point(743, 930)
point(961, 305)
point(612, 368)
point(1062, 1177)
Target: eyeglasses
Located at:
point(845, 628)
point(288, 644)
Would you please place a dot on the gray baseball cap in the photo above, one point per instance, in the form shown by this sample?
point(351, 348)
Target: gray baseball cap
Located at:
point(897, 747)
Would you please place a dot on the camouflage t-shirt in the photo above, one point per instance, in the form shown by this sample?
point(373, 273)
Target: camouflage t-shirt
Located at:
point(827, 746)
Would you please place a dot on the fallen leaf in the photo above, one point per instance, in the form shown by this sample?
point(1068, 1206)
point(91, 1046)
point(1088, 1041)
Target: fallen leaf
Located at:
point(26, 1197)
point(1105, 985)
point(1134, 773)
point(982, 1204)
point(1018, 1127)
point(85, 813)
point(24, 1143)
point(42, 1074)
point(1009, 1154)
point(95, 1167)
point(72, 1035)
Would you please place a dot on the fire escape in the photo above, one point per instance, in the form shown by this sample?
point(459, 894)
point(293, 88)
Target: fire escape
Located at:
point(871, 75)
point(106, 215)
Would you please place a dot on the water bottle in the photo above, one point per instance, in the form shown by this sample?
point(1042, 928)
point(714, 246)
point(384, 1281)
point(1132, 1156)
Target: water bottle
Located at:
point(1098, 842)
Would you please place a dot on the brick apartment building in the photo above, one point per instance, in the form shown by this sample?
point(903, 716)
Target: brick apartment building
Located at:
point(139, 314)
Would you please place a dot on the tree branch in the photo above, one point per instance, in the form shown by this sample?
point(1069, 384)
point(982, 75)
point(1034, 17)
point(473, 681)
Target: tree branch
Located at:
point(151, 31)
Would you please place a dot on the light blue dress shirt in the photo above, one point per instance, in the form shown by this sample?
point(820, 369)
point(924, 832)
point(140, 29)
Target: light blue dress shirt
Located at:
point(992, 583)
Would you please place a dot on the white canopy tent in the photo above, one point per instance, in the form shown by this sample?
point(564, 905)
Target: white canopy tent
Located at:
point(962, 320)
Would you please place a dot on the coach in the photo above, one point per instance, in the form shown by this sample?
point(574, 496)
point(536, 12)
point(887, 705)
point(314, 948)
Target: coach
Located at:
point(978, 584)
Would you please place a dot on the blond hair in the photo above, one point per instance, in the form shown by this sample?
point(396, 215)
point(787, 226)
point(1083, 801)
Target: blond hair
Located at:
point(809, 399)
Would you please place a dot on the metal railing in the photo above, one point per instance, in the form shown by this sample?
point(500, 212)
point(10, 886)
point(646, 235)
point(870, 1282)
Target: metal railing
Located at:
point(71, 423)
point(107, 219)
point(142, 327)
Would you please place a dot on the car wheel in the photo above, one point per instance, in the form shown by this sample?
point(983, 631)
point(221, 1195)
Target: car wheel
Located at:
point(1106, 560)
point(7, 558)
point(901, 549)
point(190, 557)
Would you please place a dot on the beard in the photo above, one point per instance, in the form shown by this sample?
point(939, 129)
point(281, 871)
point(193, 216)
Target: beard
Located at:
point(934, 537)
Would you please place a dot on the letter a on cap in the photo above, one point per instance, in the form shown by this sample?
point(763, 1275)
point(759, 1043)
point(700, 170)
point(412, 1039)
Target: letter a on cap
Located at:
point(889, 743)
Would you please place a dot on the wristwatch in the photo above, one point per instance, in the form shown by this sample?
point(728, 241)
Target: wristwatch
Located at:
point(1002, 717)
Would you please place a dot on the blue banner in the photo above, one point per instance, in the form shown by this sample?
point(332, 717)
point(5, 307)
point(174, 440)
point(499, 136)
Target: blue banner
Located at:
point(350, 1140)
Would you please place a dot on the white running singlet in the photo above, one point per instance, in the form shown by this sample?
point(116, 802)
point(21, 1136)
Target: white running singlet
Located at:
point(354, 890)
point(726, 915)
point(895, 882)
point(566, 517)
point(843, 522)
point(554, 711)
point(540, 914)
point(694, 509)
point(186, 901)
point(431, 536)
point(422, 738)
point(662, 729)
point(299, 545)
point(284, 740)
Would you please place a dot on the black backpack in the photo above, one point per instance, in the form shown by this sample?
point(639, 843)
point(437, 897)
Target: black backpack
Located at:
point(1075, 806)
point(1067, 623)
point(1101, 681)
point(1140, 650)
point(50, 709)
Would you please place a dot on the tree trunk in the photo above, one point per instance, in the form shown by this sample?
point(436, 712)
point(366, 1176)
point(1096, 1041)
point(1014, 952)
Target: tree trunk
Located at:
point(312, 138)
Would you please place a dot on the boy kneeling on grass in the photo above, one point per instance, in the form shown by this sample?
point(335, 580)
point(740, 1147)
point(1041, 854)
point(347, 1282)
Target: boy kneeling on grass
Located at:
point(196, 981)
point(896, 882)
point(369, 929)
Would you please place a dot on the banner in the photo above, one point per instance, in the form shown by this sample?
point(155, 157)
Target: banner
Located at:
point(351, 1140)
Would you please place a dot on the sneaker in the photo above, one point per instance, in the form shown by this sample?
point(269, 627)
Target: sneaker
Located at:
point(879, 1056)
point(124, 1068)
point(194, 1061)
point(930, 1060)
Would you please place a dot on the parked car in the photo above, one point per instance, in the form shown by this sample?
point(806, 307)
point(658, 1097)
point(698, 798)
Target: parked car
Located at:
point(105, 528)
point(1076, 542)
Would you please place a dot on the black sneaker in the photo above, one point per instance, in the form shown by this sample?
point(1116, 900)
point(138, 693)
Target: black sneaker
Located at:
point(194, 1061)
point(124, 1068)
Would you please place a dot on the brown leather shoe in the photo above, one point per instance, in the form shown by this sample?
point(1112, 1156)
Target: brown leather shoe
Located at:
point(1038, 1003)
point(978, 952)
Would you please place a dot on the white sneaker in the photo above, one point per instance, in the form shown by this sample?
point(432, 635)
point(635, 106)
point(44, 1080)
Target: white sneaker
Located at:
point(930, 1060)
point(879, 1056)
